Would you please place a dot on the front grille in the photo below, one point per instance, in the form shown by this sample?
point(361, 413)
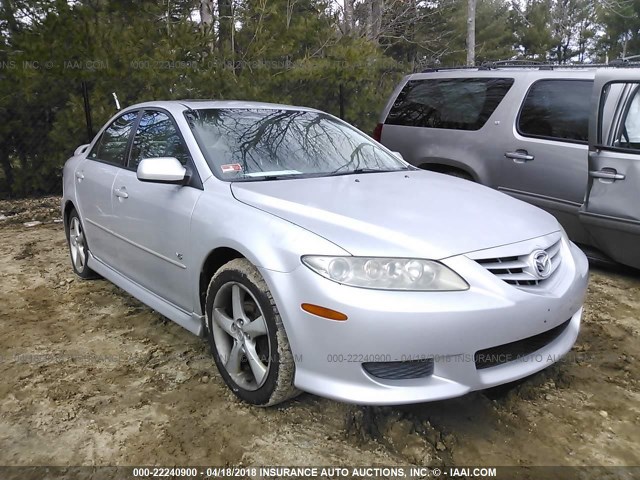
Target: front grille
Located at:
point(518, 270)
point(400, 370)
point(491, 357)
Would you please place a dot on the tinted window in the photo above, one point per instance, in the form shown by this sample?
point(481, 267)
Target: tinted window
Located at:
point(156, 137)
point(557, 109)
point(112, 146)
point(630, 135)
point(256, 143)
point(453, 103)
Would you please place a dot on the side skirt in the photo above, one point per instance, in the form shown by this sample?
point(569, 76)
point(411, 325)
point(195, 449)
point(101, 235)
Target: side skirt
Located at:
point(191, 321)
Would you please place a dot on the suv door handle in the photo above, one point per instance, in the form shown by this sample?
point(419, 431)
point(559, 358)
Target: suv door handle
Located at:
point(79, 175)
point(607, 174)
point(121, 192)
point(519, 156)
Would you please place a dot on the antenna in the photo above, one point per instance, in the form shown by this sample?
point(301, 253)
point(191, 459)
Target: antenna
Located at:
point(115, 99)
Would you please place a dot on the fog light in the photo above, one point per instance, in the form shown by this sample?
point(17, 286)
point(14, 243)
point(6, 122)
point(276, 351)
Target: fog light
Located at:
point(323, 312)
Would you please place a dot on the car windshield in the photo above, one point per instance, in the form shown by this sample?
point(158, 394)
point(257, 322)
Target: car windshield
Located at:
point(261, 144)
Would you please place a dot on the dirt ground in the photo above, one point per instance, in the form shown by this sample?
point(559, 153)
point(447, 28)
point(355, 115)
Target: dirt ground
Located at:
point(91, 376)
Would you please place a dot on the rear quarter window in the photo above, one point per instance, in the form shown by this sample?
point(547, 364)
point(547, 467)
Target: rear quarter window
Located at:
point(557, 110)
point(450, 103)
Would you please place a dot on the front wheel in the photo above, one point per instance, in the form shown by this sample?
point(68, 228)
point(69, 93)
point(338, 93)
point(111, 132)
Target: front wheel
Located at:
point(248, 341)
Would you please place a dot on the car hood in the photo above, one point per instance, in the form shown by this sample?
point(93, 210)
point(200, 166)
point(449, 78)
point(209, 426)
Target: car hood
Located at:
point(404, 214)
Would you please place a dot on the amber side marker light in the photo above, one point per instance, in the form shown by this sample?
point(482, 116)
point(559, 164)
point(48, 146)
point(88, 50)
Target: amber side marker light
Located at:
point(323, 312)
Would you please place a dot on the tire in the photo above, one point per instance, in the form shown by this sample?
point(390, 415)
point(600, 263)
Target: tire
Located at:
point(247, 338)
point(78, 249)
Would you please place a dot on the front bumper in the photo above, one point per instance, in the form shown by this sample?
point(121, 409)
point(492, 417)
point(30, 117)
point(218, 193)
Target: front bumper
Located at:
point(449, 327)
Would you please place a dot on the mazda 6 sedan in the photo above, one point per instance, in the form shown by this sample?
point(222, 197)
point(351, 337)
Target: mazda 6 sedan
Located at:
point(314, 259)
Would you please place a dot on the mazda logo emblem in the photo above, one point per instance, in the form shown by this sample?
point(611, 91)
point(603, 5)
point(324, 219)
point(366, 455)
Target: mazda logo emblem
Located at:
point(541, 263)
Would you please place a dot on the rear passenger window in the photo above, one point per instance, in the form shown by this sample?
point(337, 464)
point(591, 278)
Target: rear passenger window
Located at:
point(112, 146)
point(557, 109)
point(451, 103)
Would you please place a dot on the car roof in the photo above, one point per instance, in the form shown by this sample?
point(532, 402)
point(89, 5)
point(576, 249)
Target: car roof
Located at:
point(202, 104)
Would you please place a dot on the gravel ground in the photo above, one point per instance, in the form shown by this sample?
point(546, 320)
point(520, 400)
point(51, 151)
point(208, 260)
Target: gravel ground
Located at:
point(91, 376)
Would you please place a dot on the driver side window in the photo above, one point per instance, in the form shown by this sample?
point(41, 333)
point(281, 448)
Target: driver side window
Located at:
point(157, 136)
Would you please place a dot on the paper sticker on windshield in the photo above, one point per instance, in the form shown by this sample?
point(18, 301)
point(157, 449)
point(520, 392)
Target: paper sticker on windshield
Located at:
point(231, 167)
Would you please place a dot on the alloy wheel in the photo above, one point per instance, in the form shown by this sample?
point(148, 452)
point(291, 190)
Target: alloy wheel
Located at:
point(241, 336)
point(77, 244)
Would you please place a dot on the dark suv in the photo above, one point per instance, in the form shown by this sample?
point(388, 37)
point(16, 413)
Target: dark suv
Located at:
point(564, 139)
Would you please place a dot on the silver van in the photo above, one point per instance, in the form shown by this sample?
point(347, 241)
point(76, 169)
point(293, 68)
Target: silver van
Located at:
point(564, 139)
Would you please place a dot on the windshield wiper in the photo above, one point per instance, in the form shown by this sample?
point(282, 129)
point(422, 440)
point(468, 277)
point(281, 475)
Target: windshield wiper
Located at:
point(367, 170)
point(263, 178)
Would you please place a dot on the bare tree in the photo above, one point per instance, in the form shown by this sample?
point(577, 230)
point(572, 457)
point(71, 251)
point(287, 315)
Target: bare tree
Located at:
point(471, 32)
point(206, 15)
point(416, 24)
point(348, 16)
point(377, 8)
point(206, 9)
point(227, 27)
point(291, 6)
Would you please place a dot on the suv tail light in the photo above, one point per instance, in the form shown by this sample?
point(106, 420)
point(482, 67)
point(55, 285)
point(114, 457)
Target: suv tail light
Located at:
point(377, 132)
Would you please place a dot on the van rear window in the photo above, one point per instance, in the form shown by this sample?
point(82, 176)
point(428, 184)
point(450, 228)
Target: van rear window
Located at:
point(451, 103)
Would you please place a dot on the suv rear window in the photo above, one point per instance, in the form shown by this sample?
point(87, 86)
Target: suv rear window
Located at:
point(557, 109)
point(451, 103)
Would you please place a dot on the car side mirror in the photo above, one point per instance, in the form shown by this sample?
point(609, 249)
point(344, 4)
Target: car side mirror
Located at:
point(162, 170)
point(81, 149)
point(398, 154)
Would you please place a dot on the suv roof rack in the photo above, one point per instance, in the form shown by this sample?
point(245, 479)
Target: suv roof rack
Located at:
point(627, 62)
point(511, 63)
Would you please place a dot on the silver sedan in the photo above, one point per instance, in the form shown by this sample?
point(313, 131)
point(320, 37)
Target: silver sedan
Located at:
point(314, 259)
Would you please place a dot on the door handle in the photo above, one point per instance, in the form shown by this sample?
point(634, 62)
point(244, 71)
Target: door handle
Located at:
point(79, 175)
point(519, 156)
point(607, 174)
point(121, 192)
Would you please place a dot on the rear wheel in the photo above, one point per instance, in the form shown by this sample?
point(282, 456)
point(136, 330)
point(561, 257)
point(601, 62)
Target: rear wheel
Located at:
point(78, 249)
point(248, 341)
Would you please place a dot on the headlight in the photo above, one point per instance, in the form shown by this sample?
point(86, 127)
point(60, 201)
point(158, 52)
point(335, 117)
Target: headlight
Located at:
point(387, 273)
